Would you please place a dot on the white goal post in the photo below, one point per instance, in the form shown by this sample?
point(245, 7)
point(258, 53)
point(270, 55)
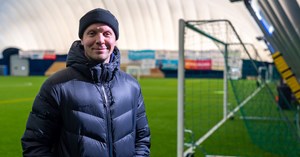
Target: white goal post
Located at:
point(134, 70)
point(213, 42)
point(181, 92)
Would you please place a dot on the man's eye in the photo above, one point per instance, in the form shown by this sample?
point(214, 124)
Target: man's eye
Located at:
point(91, 33)
point(107, 34)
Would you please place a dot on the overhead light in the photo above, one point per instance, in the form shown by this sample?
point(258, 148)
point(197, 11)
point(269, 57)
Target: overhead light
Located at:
point(260, 38)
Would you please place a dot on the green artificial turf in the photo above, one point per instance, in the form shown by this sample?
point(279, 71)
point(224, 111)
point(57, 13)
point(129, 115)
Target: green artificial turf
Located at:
point(160, 95)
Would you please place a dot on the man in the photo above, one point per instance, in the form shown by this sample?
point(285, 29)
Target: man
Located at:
point(91, 108)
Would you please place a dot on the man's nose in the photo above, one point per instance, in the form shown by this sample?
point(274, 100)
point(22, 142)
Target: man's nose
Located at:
point(100, 38)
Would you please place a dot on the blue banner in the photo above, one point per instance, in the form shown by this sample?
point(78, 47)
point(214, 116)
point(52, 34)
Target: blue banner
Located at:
point(140, 55)
point(167, 64)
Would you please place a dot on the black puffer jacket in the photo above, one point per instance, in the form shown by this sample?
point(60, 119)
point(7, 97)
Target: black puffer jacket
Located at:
point(88, 110)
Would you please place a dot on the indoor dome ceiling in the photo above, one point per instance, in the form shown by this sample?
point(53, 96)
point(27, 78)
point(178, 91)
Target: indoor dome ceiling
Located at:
point(144, 24)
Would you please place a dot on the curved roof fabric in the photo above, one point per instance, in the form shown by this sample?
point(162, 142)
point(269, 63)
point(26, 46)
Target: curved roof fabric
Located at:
point(144, 24)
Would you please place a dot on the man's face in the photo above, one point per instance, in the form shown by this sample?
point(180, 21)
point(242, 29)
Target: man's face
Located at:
point(99, 41)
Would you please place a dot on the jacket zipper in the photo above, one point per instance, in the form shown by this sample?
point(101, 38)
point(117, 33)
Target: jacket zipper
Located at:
point(109, 133)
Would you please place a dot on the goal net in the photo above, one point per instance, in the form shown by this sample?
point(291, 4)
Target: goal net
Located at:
point(134, 70)
point(226, 96)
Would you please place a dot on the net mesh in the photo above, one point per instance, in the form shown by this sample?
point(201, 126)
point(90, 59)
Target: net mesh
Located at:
point(250, 122)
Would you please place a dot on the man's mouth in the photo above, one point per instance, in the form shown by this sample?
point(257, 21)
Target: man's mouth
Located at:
point(101, 48)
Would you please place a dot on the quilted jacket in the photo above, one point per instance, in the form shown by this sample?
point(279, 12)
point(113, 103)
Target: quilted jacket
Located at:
point(88, 110)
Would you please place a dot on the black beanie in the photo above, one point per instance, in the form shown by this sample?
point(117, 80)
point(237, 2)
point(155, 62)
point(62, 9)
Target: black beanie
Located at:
point(98, 15)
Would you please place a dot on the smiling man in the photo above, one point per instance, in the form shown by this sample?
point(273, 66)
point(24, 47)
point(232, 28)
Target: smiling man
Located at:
point(91, 108)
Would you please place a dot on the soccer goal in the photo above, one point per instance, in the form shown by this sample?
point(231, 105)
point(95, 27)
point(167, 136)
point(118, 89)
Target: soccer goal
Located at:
point(225, 97)
point(203, 96)
point(134, 70)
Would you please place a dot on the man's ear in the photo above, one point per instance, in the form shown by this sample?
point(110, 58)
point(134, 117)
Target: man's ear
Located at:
point(81, 44)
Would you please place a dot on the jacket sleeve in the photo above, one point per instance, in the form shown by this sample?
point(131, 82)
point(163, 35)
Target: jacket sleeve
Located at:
point(42, 128)
point(142, 144)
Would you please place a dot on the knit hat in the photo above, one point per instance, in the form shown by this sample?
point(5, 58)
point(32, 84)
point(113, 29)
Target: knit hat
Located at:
point(98, 15)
